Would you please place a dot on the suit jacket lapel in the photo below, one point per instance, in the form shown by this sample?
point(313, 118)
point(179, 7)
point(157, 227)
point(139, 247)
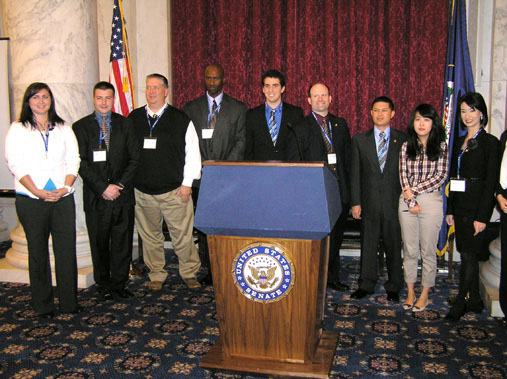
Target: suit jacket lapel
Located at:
point(94, 131)
point(115, 133)
point(371, 148)
point(221, 117)
point(263, 125)
point(203, 113)
point(392, 155)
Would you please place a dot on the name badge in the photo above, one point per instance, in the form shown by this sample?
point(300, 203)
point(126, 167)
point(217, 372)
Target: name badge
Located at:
point(458, 185)
point(331, 158)
point(207, 133)
point(99, 155)
point(150, 143)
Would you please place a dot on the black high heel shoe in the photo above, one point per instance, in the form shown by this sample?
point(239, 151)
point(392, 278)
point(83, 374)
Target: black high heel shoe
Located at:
point(455, 313)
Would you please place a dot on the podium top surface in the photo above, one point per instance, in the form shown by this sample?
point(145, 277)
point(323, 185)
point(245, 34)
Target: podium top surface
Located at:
point(267, 199)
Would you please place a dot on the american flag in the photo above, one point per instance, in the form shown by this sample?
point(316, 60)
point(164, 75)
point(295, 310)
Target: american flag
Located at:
point(120, 75)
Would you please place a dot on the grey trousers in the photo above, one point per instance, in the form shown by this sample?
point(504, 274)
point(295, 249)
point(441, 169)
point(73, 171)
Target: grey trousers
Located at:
point(420, 234)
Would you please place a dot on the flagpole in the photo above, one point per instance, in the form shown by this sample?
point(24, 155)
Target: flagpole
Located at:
point(126, 47)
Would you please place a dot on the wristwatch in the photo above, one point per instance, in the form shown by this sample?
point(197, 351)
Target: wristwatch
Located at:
point(69, 189)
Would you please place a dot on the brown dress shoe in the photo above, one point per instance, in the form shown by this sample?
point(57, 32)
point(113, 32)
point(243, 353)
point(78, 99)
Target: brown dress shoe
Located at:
point(156, 285)
point(192, 283)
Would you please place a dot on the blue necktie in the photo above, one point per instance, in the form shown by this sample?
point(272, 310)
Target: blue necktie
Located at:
point(382, 151)
point(272, 127)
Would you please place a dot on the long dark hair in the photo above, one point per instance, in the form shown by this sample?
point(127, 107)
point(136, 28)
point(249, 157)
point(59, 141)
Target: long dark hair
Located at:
point(435, 138)
point(26, 115)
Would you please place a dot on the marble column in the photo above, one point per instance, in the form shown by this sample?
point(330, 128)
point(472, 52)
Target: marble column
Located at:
point(53, 42)
point(4, 227)
point(490, 279)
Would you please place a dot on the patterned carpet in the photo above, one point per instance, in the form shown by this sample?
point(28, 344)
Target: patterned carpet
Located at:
point(165, 334)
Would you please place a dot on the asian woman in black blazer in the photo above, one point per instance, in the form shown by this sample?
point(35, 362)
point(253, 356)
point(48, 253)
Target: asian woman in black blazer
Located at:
point(473, 181)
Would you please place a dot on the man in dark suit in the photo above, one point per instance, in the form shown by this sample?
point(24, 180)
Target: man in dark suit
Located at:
point(375, 190)
point(267, 133)
point(109, 159)
point(324, 137)
point(219, 122)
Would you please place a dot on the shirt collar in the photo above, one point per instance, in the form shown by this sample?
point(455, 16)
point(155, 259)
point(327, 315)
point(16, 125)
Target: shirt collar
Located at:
point(321, 118)
point(158, 113)
point(98, 117)
point(218, 100)
point(278, 109)
point(377, 133)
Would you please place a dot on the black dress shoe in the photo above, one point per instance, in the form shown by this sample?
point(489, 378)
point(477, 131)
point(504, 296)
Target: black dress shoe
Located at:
point(47, 315)
point(124, 293)
point(338, 286)
point(207, 280)
point(393, 297)
point(455, 313)
point(475, 307)
point(105, 296)
point(359, 294)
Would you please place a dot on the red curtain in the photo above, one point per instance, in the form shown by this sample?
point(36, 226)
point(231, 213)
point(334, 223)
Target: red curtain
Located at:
point(360, 48)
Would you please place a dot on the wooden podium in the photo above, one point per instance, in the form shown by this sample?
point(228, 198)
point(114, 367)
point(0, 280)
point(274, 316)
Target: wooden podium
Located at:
point(267, 227)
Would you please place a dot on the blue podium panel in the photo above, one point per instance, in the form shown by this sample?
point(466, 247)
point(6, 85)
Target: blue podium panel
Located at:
point(274, 200)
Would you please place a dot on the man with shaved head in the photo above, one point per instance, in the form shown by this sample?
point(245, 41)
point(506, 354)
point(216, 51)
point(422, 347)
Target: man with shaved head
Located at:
point(219, 121)
point(321, 136)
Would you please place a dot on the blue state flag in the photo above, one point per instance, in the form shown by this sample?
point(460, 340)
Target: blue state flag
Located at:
point(458, 80)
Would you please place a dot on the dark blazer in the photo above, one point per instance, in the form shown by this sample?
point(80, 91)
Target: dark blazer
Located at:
point(312, 146)
point(120, 167)
point(228, 141)
point(503, 143)
point(259, 146)
point(480, 167)
point(375, 191)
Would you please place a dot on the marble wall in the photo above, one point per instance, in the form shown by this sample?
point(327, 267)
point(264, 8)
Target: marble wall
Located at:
point(56, 43)
point(487, 31)
point(498, 107)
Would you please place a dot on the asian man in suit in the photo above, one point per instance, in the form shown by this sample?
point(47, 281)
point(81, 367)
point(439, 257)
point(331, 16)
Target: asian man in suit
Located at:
point(219, 121)
point(109, 159)
point(323, 136)
point(267, 126)
point(375, 190)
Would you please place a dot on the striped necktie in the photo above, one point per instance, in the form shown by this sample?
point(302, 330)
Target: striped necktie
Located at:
point(105, 131)
point(382, 151)
point(213, 119)
point(325, 135)
point(272, 127)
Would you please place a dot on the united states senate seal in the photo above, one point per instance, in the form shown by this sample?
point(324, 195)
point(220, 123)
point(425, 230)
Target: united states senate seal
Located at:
point(263, 272)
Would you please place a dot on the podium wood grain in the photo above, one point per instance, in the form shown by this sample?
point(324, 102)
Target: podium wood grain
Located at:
point(277, 333)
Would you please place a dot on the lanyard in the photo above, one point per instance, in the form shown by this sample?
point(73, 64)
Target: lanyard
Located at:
point(46, 140)
point(156, 121)
point(212, 114)
point(328, 137)
point(465, 150)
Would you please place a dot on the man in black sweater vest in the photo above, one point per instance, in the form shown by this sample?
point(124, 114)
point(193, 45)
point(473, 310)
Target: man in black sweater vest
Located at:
point(170, 162)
